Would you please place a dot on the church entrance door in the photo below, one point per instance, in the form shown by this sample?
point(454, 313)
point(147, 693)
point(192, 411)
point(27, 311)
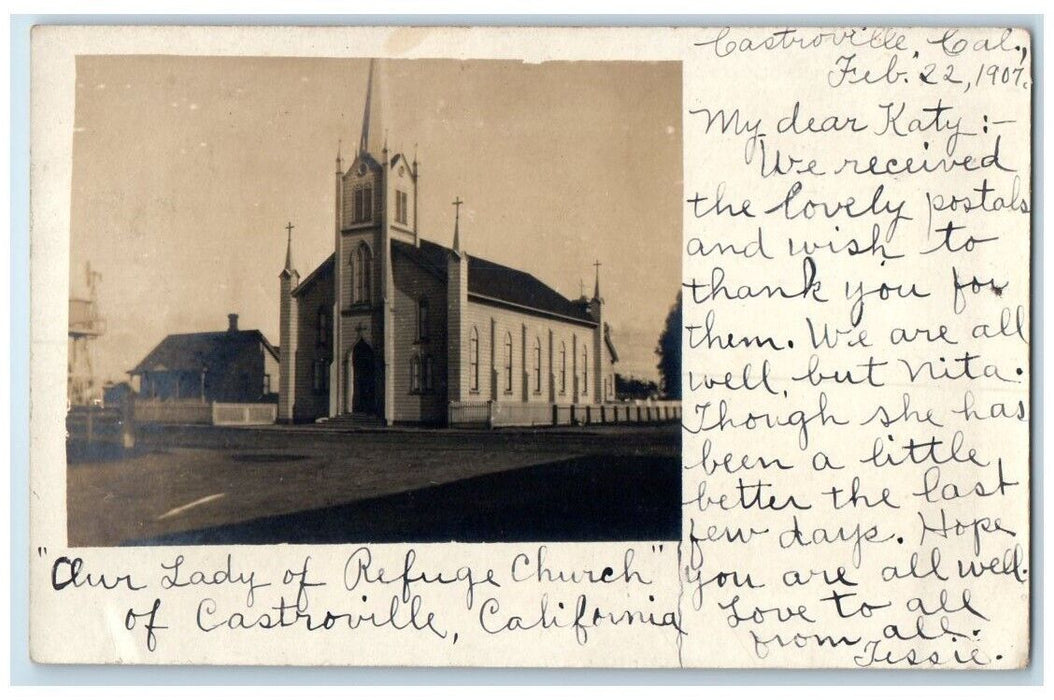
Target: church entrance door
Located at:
point(364, 396)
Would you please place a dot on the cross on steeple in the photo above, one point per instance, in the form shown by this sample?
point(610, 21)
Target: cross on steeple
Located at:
point(457, 218)
point(289, 246)
point(596, 286)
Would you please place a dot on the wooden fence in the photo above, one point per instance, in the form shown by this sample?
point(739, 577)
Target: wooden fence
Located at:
point(95, 424)
point(244, 413)
point(173, 412)
point(497, 414)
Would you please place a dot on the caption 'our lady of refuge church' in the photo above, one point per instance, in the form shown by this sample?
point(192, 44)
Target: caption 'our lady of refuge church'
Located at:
point(393, 328)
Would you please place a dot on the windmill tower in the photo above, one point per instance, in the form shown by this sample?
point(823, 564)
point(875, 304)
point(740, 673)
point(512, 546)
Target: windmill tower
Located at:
point(85, 325)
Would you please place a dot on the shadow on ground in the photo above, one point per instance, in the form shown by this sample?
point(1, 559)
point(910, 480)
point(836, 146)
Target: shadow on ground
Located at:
point(591, 498)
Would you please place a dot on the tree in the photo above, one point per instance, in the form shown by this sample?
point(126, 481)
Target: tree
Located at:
point(634, 388)
point(669, 352)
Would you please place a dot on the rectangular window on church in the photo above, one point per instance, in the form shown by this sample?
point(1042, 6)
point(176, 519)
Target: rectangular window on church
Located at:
point(401, 214)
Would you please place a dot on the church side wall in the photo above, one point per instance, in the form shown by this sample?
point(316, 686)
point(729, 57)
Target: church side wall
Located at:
point(311, 403)
point(412, 284)
point(524, 388)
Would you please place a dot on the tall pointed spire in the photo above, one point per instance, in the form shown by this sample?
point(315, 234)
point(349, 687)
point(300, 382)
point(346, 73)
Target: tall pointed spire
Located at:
point(340, 160)
point(373, 138)
point(596, 286)
point(364, 140)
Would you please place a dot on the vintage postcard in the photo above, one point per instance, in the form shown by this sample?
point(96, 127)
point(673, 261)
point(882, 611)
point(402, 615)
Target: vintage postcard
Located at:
point(700, 347)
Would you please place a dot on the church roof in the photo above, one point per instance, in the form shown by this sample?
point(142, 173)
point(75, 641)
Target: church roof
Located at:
point(497, 282)
point(189, 351)
point(486, 279)
point(324, 271)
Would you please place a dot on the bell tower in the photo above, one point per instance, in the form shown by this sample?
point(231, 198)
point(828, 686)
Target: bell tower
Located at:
point(376, 201)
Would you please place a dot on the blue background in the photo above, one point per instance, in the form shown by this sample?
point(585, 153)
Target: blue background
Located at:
point(24, 672)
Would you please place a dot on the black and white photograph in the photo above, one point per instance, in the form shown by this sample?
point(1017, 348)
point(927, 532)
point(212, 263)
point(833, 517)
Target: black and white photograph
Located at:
point(350, 300)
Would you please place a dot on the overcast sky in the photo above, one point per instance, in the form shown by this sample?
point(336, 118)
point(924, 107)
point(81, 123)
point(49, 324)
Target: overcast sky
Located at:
point(186, 170)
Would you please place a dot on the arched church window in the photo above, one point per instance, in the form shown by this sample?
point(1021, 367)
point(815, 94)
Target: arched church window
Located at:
point(361, 267)
point(563, 367)
point(537, 365)
point(422, 319)
point(473, 359)
point(415, 374)
point(585, 370)
point(508, 361)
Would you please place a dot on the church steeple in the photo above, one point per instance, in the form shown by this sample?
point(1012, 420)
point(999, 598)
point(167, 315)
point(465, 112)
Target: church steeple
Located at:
point(457, 219)
point(287, 332)
point(289, 250)
point(372, 126)
point(596, 284)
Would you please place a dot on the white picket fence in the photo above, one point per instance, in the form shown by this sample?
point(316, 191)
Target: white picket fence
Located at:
point(195, 412)
point(244, 413)
point(147, 411)
point(496, 413)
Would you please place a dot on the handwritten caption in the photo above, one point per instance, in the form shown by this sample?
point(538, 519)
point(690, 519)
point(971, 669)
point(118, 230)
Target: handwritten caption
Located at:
point(401, 590)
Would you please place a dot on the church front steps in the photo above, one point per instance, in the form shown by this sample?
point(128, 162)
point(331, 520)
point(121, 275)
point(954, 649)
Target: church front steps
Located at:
point(352, 421)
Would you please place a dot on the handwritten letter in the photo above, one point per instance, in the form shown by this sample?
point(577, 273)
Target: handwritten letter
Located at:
point(856, 339)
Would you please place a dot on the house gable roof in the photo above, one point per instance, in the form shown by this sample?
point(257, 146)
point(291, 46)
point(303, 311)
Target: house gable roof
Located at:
point(188, 352)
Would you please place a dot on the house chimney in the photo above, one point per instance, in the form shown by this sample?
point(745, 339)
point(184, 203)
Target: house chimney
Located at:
point(232, 323)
